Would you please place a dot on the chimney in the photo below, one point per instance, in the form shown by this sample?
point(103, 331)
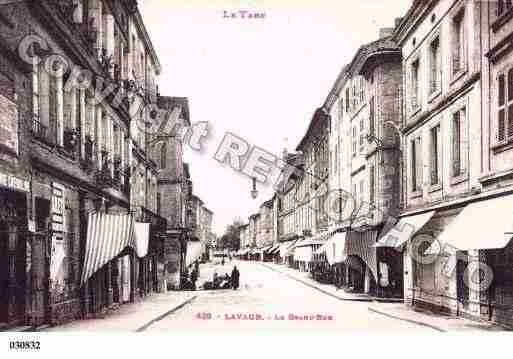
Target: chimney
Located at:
point(385, 32)
point(397, 21)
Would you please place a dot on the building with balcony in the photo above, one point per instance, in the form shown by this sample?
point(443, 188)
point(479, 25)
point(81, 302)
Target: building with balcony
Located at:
point(76, 79)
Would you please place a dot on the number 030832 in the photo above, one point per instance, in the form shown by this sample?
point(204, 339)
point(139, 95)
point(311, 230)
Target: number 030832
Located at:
point(25, 345)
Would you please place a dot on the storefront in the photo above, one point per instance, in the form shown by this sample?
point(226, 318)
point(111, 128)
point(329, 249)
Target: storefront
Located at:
point(15, 252)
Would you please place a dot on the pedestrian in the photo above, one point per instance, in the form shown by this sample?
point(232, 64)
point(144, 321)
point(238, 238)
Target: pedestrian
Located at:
point(194, 278)
point(235, 278)
point(222, 261)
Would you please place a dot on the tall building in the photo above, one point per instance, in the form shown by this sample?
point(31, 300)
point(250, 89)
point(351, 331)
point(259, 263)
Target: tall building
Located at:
point(76, 165)
point(365, 104)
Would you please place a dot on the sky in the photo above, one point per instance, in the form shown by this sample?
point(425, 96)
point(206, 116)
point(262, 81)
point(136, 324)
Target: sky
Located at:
point(261, 79)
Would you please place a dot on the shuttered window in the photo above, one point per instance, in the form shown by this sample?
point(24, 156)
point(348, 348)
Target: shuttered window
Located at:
point(435, 155)
point(371, 117)
point(458, 43)
point(459, 143)
point(371, 184)
point(434, 66)
point(416, 165)
point(505, 106)
point(415, 96)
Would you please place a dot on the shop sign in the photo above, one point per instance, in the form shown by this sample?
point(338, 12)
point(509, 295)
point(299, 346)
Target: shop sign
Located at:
point(57, 207)
point(8, 125)
point(14, 183)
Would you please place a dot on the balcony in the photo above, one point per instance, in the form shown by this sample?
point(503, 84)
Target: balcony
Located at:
point(125, 188)
point(118, 172)
point(104, 176)
point(71, 142)
point(157, 221)
point(87, 162)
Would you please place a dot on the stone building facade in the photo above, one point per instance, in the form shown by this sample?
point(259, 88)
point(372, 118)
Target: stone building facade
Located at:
point(67, 155)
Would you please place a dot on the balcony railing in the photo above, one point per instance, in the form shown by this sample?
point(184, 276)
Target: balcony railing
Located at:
point(39, 130)
point(153, 218)
point(116, 181)
point(71, 141)
point(104, 176)
point(88, 161)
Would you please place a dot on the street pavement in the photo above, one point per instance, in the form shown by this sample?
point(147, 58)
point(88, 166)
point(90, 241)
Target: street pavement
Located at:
point(268, 299)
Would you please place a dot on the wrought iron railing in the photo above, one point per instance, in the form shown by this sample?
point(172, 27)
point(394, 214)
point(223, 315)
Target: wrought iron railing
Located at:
point(39, 130)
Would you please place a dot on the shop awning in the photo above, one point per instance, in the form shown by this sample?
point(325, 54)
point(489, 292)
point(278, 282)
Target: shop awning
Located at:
point(335, 248)
point(404, 230)
point(142, 238)
point(275, 249)
point(486, 224)
point(303, 253)
point(107, 236)
point(361, 244)
point(287, 248)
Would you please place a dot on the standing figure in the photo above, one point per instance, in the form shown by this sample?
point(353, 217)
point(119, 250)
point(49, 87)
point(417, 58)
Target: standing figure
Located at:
point(235, 278)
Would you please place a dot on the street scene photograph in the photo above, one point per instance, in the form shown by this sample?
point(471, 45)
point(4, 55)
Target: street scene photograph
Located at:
point(171, 166)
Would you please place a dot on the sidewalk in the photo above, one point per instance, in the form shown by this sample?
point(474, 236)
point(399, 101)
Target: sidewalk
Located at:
point(440, 322)
point(329, 289)
point(132, 316)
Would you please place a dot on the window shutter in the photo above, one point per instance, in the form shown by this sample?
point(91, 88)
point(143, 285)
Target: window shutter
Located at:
point(456, 143)
point(464, 141)
point(418, 155)
point(371, 120)
point(501, 119)
point(433, 158)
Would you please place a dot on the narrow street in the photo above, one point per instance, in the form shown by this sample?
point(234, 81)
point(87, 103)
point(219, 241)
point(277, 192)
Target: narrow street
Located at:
point(273, 298)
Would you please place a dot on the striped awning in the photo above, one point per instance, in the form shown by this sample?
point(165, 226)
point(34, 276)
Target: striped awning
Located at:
point(107, 236)
point(361, 244)
point(334, 248)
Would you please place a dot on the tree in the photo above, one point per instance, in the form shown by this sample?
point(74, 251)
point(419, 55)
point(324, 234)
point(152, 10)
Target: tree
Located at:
point(231, 237)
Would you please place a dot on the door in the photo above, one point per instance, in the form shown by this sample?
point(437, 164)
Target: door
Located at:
point(463, 291)
point(40, 259)
point(4, 275)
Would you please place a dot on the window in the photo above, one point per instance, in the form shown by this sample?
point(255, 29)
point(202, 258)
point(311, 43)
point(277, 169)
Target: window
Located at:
point(362, 135)
point(362, 89)
point(360, 196)
point(458, 143)
point(163, 155)
point(341, 108)
point(505, 107)
point(458, 43)
point(434, 65)
point(503, 6)
point(372, 194)
point(354, 141)
point(355, 197)
point(371, 117)
point(416, 165)
point(347, 99)
point(415, 89)
point(435, 155)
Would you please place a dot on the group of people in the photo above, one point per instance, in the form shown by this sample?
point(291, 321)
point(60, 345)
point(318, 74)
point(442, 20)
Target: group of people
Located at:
point(190, 276)
point(224, 281)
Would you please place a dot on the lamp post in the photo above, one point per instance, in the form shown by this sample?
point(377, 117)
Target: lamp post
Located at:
point(254, 192)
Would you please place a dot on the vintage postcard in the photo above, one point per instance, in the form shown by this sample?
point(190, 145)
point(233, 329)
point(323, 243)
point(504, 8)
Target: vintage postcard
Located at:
point(171, 165)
